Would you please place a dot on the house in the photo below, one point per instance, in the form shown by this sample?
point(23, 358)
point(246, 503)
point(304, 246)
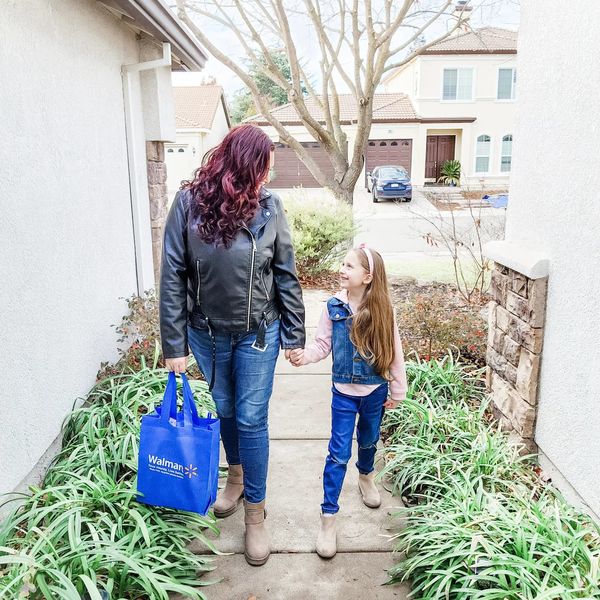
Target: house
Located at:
point(456, 100)
point(86, 109)
point(466, 86)
point(395, 124)
point(201, 121)
point(543, 351)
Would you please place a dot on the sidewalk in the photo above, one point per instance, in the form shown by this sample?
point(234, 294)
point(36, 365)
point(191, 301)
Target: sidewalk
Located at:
point(299, 422)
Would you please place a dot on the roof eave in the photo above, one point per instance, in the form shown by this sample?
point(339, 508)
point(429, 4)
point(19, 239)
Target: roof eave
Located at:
point(446, 52)
point(155, 17)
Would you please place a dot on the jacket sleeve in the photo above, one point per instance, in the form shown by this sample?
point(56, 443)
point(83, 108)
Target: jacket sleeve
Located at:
point(173, 282)
point(288, 287)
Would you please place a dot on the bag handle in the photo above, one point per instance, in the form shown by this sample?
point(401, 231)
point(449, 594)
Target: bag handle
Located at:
point(169, 403)
point(190, 413)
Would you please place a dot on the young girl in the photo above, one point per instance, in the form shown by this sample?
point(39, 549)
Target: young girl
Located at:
point(358, 326)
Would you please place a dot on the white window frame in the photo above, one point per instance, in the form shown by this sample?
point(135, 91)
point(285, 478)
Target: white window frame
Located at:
point(502, 155)
point(488, 156)
point(513, 92)
point(458, 69)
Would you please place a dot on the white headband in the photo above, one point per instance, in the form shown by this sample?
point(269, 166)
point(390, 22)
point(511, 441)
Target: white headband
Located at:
point(369, 257)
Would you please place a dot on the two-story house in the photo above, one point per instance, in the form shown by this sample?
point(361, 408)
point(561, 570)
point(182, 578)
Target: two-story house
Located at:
point(464, 91)
point(455, 100)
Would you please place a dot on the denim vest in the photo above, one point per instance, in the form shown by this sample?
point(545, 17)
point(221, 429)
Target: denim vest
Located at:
point(348, 365)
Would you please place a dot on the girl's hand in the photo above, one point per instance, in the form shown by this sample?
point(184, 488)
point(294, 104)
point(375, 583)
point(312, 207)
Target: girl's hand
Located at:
point(389, 403)
point(297, 357)
point(177, 365)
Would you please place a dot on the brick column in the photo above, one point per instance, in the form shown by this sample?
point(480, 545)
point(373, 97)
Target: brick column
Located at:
point(514, 349)
point(157, 188)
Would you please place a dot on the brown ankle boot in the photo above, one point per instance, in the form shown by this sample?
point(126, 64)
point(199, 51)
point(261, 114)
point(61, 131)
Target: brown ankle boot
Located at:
point(257, 545)
point(368, 490)
point(327, 538)
point(228, 501)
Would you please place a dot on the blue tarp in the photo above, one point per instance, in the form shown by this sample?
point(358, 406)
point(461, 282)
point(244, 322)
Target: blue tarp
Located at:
point(497, 200)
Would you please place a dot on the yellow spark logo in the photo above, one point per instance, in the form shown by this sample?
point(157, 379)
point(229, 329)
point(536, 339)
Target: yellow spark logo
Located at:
point(191, 471)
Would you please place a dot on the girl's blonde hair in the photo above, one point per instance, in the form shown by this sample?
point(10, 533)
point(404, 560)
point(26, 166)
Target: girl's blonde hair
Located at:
point(373, 324)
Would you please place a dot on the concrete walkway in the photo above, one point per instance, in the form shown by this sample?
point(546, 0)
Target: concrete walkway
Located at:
point(299, 425)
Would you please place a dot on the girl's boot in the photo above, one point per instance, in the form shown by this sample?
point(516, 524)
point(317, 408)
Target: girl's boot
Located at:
point(368, 490)
point(228, 500)
point(327, 538)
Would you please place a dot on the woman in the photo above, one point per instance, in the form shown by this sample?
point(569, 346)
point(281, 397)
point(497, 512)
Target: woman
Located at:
point(229, 290)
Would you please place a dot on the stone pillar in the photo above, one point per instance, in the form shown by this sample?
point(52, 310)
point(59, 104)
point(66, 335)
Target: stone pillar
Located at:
point(157, 193)
point(515, 338)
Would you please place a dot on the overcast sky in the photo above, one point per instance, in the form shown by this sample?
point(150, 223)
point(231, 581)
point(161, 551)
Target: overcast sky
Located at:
point(501, 13)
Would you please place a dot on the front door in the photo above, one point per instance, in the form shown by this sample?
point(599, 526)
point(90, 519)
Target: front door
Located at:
point(440, 148)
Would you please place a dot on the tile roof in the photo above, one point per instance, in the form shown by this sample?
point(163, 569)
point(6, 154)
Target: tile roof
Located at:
point(478, 41)
point(386, 107)
point(196, 106)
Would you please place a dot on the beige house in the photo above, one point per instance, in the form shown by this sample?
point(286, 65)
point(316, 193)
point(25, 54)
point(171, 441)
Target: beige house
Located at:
point(467, 85)
point(454, 101)
point(201, 121)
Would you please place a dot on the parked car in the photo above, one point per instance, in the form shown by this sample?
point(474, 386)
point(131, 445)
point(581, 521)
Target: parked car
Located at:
point(389, 181)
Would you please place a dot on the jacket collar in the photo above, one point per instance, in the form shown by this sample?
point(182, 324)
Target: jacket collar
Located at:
point(340, 298)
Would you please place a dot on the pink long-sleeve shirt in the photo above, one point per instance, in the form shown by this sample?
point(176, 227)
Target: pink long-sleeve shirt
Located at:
point(321, 347)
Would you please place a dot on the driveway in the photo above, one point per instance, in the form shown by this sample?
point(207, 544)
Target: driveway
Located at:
point(399, 230)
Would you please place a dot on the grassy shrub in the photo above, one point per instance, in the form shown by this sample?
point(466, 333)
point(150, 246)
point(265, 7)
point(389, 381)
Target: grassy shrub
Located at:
point(480, 524)
point(82, 532)
point(322, 233)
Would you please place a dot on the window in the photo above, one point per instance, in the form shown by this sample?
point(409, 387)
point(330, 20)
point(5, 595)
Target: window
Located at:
point(506, 160)
point(482, 158)
point(170, 150)
point(507, 82)
point(458, 84)
point(181, 150)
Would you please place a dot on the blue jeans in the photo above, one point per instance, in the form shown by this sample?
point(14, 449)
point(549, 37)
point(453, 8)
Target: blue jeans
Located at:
point(343, 419)
point(242, 389)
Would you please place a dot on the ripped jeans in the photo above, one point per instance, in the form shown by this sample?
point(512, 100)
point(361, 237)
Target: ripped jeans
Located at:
point(343, 418)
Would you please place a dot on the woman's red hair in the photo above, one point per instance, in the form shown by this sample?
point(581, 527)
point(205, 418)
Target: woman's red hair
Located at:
point(226, 187)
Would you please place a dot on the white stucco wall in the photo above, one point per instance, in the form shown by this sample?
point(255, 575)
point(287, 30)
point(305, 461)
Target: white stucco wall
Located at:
point(554, 208)
point(66, 223)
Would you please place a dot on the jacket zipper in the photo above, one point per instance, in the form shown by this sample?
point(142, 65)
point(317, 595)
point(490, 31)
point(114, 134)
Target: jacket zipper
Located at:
point(251, 278)
point(198, 286)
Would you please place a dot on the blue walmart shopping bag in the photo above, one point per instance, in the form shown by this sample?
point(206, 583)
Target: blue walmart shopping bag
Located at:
point(178, 463)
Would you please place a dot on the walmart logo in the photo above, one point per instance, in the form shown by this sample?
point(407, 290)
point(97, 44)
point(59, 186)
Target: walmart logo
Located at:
point(169, 467)
point(191, 471)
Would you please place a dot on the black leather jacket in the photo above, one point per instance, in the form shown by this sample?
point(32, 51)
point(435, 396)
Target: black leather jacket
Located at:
point(235, 289)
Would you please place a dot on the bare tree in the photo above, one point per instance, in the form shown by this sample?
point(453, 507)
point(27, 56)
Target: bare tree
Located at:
point(377, 35)
point(464, 241)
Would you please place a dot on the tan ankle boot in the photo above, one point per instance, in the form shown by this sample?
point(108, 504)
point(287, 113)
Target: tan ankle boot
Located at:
point(368, 490)
point(327, 538)
point(228, 501)
point(257, 545)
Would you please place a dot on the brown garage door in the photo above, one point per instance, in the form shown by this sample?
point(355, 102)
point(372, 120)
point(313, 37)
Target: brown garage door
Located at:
point(290, 171)
point(388, 152)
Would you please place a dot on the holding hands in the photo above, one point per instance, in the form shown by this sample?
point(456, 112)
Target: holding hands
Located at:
point(296, 357)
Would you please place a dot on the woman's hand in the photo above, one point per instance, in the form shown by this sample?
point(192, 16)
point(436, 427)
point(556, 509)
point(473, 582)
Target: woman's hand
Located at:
point(177, 365)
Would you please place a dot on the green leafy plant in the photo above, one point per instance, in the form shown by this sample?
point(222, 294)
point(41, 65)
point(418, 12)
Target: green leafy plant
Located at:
point(82, 534)
point(450, 172)
point(322, 233)
point(479, 523)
